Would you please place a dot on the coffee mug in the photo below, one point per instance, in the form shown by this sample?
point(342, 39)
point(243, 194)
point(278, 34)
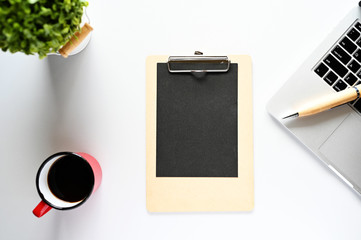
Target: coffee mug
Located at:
point(66, 180)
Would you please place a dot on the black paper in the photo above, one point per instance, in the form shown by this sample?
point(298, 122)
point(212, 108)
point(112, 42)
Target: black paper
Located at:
point(197, 132)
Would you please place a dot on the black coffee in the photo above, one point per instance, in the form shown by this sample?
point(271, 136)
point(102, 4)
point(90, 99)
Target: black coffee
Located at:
point(71, 178)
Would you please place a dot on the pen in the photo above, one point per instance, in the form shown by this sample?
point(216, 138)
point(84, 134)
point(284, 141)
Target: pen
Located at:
point(328, 102)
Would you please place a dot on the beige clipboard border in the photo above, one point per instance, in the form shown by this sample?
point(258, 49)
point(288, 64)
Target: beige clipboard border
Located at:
point(186, 194)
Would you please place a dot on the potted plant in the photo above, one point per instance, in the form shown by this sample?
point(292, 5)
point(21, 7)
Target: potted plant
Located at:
point(38, 26)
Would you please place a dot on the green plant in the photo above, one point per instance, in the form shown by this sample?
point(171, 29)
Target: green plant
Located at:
point(38, 26)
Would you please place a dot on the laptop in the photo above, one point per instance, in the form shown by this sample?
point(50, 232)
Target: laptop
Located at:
point(334, 136)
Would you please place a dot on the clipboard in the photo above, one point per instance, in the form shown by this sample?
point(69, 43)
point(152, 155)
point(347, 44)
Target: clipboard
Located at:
point(199, 133)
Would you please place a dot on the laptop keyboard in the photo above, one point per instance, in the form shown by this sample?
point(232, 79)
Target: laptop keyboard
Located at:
point(341, 66)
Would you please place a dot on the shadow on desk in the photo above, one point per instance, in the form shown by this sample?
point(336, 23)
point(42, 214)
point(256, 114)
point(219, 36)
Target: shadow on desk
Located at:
point(68, 86)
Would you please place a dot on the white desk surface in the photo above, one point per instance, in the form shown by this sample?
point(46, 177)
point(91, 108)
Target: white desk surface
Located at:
point(95, 102)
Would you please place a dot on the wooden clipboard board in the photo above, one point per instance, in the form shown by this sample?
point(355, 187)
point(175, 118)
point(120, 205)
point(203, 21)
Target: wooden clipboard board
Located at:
point(205, 193)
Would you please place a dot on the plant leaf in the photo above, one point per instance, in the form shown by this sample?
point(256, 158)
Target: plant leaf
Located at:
point(38, 26)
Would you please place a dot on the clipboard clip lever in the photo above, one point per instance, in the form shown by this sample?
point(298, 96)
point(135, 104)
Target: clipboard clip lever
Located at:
point(198, 63)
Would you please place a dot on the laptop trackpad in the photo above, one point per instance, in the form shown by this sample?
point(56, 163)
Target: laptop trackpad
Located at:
point(343, 149)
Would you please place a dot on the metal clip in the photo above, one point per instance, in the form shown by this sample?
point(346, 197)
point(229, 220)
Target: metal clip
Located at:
point(198, 63)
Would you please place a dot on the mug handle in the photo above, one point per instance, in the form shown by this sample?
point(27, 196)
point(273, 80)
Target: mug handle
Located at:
point(41, 209)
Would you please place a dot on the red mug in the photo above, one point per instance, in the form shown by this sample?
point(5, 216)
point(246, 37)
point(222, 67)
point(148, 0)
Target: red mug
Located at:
point(66, 180)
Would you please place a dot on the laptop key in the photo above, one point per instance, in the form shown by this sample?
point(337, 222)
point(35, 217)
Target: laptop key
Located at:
point(335, 65)
point(340, 85)
point(359, 74)
point(358, 26)
point(321, 70)
point(330, 78)
point(353, 66)
point(358, 42)
point(341, 55)
point(353, 34)
point(357, 105)
point(348, 45)
point(350, 79)
point(357, 55)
